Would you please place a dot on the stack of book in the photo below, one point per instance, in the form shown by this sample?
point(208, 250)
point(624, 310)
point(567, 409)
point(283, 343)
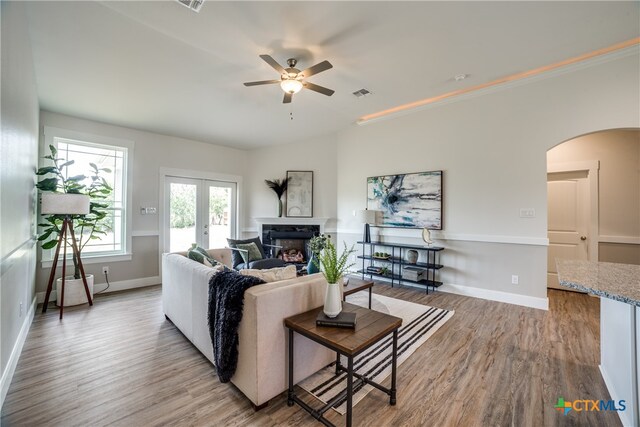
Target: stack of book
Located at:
point(343, 320)
point(374, 269)
point(413, 273)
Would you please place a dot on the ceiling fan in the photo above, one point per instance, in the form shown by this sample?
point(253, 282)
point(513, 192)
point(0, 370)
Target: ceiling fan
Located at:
point(292, 80)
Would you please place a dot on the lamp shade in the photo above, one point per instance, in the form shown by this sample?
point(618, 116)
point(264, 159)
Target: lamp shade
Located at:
point(367, 216)
point(64, 204)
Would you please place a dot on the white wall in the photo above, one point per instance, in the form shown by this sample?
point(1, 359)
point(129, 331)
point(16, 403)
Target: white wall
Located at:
point(151, 152)
point(318, 155)
point(18, 159)
point(492, 149)
point(618, 152)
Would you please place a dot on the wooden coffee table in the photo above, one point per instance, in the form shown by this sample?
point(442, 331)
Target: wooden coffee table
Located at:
point(371, 327)
point(357, 285)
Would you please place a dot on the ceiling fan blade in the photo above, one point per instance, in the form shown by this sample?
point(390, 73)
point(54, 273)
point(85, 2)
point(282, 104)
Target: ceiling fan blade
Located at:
point(287, 98)
point(318, 68)
point(319, 89)
point(269, 60)
point(262, 82)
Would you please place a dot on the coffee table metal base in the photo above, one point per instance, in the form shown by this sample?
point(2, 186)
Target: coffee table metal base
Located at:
point(318, 414)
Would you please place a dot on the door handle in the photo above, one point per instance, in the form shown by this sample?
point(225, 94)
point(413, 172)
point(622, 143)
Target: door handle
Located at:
point(583, 237)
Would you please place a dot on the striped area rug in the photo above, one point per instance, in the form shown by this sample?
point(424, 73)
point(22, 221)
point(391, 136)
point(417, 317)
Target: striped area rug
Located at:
point(419, 322)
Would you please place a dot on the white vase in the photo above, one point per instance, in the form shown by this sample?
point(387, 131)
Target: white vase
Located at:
point(333, 300)
point(74, 293)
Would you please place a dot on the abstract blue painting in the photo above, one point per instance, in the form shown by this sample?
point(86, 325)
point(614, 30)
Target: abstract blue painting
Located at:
point(410, 200)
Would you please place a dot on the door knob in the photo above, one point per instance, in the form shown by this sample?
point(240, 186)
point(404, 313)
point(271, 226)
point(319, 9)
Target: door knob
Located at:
point(583, 237)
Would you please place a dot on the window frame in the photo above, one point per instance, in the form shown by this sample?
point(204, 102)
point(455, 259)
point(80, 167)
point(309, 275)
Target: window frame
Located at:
point(49, 136)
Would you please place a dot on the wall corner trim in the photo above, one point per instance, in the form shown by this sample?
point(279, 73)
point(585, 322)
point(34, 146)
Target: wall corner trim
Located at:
point(499, 296)
point(10, 369)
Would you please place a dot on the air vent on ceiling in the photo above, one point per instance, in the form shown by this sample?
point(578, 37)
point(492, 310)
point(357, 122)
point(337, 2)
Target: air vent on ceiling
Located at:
point(362, 92)
point(194, 5)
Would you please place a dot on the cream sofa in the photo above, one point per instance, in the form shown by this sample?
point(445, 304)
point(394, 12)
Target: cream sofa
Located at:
point(262, 352)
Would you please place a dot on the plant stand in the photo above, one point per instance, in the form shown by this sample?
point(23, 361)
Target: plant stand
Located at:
point(67, 227)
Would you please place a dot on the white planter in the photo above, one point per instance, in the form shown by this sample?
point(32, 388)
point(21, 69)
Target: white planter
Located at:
point(74, 293)
point(333, 300)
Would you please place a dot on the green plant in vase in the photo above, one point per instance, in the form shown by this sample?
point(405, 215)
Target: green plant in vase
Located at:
point(316, 246)
point(333, 267)
point(86, 227)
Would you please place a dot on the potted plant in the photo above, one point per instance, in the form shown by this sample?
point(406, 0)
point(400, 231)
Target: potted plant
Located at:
point(278, 187)
point(316, 245)
point(333, 267)
point(55, 179)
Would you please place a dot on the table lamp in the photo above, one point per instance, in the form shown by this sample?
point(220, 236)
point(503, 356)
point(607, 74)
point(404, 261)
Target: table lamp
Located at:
point(66, 204)
point(367, 217)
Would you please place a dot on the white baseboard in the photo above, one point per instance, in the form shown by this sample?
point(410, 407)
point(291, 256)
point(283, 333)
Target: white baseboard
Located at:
point(623, 415)
point(488, 294)
point(115, 286)
point(10, 369)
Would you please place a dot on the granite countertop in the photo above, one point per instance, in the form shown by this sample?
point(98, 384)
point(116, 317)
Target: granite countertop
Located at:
point(620, 282)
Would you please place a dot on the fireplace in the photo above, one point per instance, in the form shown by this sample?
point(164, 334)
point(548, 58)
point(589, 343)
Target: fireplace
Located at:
point(293, 238)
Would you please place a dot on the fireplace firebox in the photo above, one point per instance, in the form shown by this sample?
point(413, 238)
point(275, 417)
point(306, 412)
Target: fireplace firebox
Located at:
point(292, 238)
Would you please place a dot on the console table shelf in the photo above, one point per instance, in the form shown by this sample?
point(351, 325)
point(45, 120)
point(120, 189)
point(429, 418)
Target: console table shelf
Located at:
point(396, 262)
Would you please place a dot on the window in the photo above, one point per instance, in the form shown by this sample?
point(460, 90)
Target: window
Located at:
point(115, 155)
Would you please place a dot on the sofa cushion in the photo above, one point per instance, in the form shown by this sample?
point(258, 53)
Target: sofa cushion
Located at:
point(252, 254)
point(236, 257)
point(272, 274)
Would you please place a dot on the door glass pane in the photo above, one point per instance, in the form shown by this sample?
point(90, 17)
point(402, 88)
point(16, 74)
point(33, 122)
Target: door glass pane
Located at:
point(219, 218)
point(182, 220)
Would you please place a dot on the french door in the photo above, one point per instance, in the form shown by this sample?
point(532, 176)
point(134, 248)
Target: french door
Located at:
point(198, 211)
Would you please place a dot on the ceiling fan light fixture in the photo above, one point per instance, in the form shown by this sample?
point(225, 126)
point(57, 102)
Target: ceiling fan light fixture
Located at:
point(291, 86)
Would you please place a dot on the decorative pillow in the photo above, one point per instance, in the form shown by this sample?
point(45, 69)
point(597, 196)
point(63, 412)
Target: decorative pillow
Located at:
point(235, 255)
point(254, 253)
point(272, 274)
point(201, 255)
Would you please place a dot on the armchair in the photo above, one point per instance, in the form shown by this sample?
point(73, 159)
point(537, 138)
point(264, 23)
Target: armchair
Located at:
point(267, 255)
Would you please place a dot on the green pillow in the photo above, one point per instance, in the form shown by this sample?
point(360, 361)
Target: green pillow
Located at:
point(199, 254)
point(253, 255)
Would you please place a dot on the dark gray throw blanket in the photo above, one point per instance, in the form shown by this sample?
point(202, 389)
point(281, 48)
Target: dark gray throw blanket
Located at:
point(226, 299)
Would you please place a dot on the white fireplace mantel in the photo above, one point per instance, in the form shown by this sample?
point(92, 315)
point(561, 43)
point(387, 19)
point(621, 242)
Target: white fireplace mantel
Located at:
point(322, 222)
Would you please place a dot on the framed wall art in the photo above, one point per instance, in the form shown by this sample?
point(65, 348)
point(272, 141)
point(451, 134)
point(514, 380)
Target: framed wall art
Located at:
point(412, 200)
point(300, 194)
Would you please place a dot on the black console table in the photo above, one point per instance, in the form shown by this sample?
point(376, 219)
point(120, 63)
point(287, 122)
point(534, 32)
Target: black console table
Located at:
point(396, 262)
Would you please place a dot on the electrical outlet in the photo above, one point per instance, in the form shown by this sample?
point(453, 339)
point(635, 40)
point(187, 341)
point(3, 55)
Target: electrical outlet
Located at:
point(527, 213)
point(105, 270)
point(514, 279)
point(20, 309)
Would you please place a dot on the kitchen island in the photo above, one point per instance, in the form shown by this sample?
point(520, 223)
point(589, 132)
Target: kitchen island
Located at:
point(618, 286)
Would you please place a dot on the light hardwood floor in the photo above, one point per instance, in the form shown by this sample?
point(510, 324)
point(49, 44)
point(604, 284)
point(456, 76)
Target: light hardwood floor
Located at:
point(493, 364)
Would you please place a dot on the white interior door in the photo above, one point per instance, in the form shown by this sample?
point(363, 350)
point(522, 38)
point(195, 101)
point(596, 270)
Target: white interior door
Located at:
point(198, 211)
point(568, 220)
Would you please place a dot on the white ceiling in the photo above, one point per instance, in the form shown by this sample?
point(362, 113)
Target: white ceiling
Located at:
point(160, 67)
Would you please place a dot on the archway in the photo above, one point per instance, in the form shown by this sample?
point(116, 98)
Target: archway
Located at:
point(593, 190)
